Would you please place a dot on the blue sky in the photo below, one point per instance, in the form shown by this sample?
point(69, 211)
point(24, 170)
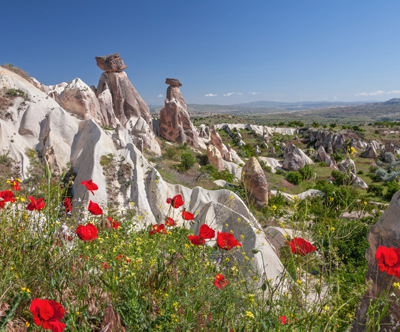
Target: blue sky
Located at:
point(223, 52)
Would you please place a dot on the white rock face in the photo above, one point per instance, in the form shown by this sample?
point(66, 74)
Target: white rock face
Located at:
point(271, 162)
point(303, 195)
point(78, 98)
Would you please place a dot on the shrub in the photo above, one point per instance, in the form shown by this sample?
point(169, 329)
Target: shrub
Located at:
point(375, 190)
point(280, 172)
point(215, 175)
point(268, 169)
point(360, 172)
point(332, 125)
point(393, 187)
point(339, 178)
point(187, 161)
point(294, 177)
point(337, 156)
point(323, 164)
point(306, 172)
point(315, 124)
point(246, 151)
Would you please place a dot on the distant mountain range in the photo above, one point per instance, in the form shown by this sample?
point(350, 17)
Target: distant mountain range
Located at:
point(260, 107)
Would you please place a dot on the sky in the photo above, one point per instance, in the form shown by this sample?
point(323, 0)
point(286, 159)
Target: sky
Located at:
point(223, 52)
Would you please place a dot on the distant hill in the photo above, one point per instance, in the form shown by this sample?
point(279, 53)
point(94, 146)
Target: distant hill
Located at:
point(300, 105)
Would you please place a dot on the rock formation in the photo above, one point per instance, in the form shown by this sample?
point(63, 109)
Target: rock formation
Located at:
point(64, 139)
point(330, 140)
point(255, 182)
point(257, 151)
point(203, 131)
point(175, 124)
point(217, 141)
point(322, 156)
point(370, 152)
point(214, 157)
point(349, 167)
point(295, 158)
point(120, 103)
point(78, 98)
point(386, 232)
point(111, 63)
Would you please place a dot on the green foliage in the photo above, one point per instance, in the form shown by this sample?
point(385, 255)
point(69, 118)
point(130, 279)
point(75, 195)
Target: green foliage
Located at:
point(332, 125)
point(315, 124)
point(294, 177)
point(280, 172)
point(187, 161)
point(306, 172)
point(246, 151)
point(322, 164)
point(375, 190)
point(216, 175)
point(337, 156)
point(393, 187)
point(296, 123)
point(339, 178)
point(345, 127)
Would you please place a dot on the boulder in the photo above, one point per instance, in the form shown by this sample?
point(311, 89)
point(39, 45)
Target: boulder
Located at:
point(175, 124)
point(217, 141)
point(322, 156)
point(111, 63)
point(255, 182)
point(272, 152)
point(370, 152)
point(214, 157)
point(78, 98)
point(203, 133)
point(295, 158)
point(386, 232)
point(391, 148)
point(257, 151)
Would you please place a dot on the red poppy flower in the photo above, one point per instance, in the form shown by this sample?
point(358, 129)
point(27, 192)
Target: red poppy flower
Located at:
point(170, 222)
point(120, 258)
point(114, 223)
point(67, 204)
point(105, 265)
point(86, 257)
point(196, 240)
point(220, 281)
point(70, 238)
point(47, 314)
point(389, 260)
point(158, 229)
point(90, 185)
point(206, 232)
point(227, 241)
point(95, 209)
point(176, 201)
point(282, 319)
point(301, 246)
point(35, 204)
point(187, 215)
point(7, 196)
point(87, 233)
point(15, 185)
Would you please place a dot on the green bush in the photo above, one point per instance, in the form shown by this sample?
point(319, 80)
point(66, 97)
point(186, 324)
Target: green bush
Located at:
point(187, 161)
point(337, 156)
point(216, 175)
point(246, 151)
point(306, 172)
point(280, 172)
point(322, 164)
point(339, 178)
point(393, 187)
point(294, 177)
point(360, 172)
point(375, 190)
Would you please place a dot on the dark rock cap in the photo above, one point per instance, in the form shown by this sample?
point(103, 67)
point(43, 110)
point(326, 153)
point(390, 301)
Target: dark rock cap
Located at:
point(110, 63)
point(173, 82)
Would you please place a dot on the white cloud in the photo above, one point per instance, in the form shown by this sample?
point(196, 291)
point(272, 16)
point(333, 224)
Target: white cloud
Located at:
point(375, 93)
point(393, 92)
point(228, 94)
point(160, 95)
point(239, 93)
point(335, 98)
point(255, 93)
point(210, 95)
